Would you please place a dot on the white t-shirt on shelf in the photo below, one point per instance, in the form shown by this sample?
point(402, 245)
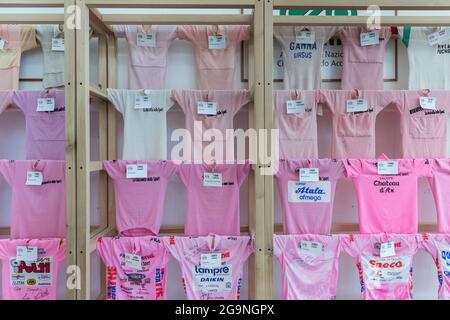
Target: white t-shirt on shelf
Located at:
point(145, 128)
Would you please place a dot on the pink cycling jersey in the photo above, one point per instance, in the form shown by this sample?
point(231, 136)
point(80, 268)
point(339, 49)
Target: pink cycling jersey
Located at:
point(309, 264)
point(298, 131)
point(221, 281)
point(31, 280)
point(5, 99)
point(140, 201)
point(383, 278)
point(307, 206)
point(387, 203)
point(126, 281)
point(440, 183)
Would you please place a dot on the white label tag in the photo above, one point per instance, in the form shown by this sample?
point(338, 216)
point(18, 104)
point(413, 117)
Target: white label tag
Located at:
point(211, 260)
point(57, 44)
point(387, 167)
point(142, 102)
point(217, 42)
point(146, 39)
point(428, 103)
point(205, 107)
point(213, 279)
point(34, 178)
point(212, 179)
point(439, 36)
point(387, 249)
point(320, 110)
point(24, 253)
point(311, 248)
point(308, 174)
point(295, 106)
point(369, 38)
point(133, 261)
point(357, 105)
point(45, 105)
point(136, 171)
point(2, 44)
point(306, 37)
point(378, 271)
point(311, 192)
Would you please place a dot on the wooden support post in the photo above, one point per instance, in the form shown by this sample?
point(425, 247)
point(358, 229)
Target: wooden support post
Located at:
point(70, 136)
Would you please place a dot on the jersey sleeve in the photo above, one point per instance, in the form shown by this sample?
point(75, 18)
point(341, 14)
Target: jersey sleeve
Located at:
point(338, 168)
point(182, 99)
point(23, 99)
point(349, 245)
point(189, 33)
point(119, 30)
point(118, 99)
point(170, 168)
point(427, 243)
point(184, 173)
point(175, 246)
point(240, 98)
point(405, 35)
point(238, 33)
point(27, 37)
point(328, 32)
point(4, 248)
point(279, 243)
point(5, 99)
point(114, 168)
point(328, 98)
point(352, 167)
point(167, 99)
point(104, 249)
point(60, 254)
point(423, 167)
point(7, 170)
point(242, 171)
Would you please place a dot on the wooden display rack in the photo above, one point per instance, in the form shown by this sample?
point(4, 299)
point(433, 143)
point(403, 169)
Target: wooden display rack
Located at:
point(79, 92)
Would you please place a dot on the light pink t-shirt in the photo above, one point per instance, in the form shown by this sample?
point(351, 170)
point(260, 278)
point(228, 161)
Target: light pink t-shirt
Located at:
point(5, 99)
point(309, 264)
point(424, 131)
point(383, 278)
point(140, 201)
point(307, 206)
point(211, 209)
point(438, 246)
point(298, 131)
point(216, 67)
point(363, 66)
point(124, 281)
point(229, 102)
point(45, 134)
point(202, 282)
point(27, 280)
point(440, 184)
point(354, 132)
point(36, 211)
point(387, 203)
point(147, 66)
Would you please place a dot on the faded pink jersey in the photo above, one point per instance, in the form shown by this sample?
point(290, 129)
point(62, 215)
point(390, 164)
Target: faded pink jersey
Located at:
point(45, 134)
point(440, 184)
point(307, 207)
point(424, 131)
point(211, 282)
point(298, 131)
point(36, 211)
point(140, 201)
point(438, 246)
point(147, 66)
point(309, 264)
point(130, 282)
point(229, 102)
point(387, 277)
point(5, 99)
point(363, 65)
point(31, 280)
point(387, 203)
point(216, 67)
point(354, 132)
point(211, 209)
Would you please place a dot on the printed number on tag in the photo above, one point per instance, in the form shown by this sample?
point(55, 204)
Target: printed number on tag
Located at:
point(295, 107)
point(136, 171)
point(217, 42)
point(45, 105)
point(357, 105)
point(211, 260)
point(212, 179)
point(387, 167)
point(34, 178)
point(309, 174)
point(57, 44)
point(24, 253)
point(205, 107)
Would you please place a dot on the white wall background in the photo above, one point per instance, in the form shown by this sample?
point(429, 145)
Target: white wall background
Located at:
point(182, 74)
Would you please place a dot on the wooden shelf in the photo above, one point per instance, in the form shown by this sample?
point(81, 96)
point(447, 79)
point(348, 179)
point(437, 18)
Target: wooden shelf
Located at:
point(177, 19)
point(363, 4)
point(170, 3)
point(30, 18)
